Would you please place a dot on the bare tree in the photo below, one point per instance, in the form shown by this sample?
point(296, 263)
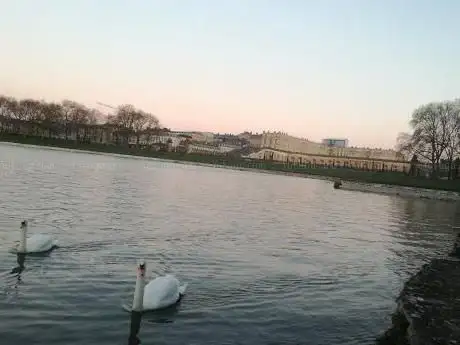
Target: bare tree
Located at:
point(53, 118)
point(74, 116)
point(8, 106)
point(52, 113)
point(139, 122)
point(145, 124)
point(29, 110)
point(67, 108)
point(404, 145)
point(76, 113)
point(96, 117)
point(130, 121)
point(430, 133)
point(124, 116)
point(123, 120)
point(452, 125)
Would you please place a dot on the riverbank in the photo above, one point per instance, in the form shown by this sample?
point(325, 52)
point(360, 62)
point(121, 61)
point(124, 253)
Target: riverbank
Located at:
point(375, 188)
point(376, 178)
point(428, 308)
point(402, 191)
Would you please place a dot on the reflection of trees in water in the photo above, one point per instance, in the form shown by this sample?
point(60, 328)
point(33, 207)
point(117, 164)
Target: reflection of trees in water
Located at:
point(423, 230)
point(423, 209)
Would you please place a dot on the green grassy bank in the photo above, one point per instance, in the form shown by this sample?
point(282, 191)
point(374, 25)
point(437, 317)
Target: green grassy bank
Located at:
point(391, 178)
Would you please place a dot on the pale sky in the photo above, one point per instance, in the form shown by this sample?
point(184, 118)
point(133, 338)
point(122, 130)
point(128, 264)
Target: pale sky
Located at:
point(351, 69)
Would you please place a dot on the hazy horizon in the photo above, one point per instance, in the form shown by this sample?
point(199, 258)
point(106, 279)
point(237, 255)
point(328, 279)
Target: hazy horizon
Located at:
point(347, 69)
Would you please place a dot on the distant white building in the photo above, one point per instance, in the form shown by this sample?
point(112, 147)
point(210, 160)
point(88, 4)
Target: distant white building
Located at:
point(211, 149)
point(281, 141)
point(204, 137)
point(333, 142)
point(146, 139)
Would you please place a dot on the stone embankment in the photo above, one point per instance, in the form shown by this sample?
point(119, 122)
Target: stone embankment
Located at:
point(402, 191)
point(428, 307)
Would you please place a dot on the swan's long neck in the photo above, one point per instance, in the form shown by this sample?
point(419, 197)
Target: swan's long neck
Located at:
point(23, 240)
point(138, 300)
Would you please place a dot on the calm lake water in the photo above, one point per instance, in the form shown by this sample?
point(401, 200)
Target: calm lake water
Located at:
point(268, 259)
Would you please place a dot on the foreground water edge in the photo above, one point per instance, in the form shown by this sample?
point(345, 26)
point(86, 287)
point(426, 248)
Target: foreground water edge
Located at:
point(428, 306)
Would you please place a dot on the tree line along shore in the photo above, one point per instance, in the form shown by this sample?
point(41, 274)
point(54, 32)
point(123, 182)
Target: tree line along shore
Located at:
point(434, 144)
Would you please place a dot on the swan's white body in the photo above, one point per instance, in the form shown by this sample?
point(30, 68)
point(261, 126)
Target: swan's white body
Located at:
point(37, 243)
point(162, 292)
point(159, 293)
point(40, 243)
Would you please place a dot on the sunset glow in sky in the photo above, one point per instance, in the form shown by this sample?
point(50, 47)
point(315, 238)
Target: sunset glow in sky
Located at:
point(327, 68)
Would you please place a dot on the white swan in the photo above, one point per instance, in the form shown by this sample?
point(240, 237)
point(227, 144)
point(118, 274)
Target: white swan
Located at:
point(37, 243)
point(159, 293)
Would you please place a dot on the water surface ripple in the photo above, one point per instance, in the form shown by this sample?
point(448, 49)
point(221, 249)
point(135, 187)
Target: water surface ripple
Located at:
point(268, 259)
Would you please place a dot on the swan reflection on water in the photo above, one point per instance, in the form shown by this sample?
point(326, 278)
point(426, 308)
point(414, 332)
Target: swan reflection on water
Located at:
point(165, 315)
point(21, 258)
point(135, 326)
